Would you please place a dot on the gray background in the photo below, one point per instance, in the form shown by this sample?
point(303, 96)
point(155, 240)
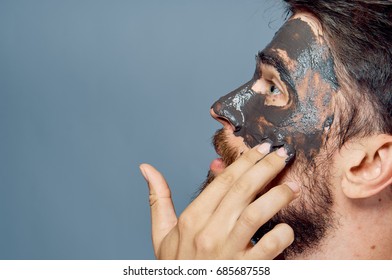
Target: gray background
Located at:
point(89, 89)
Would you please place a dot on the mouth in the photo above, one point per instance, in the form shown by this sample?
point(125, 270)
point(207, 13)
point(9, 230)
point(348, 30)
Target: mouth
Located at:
point(217, 166)
point(227, 147)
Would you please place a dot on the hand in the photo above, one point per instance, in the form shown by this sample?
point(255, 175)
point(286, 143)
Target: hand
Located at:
point(220, 222)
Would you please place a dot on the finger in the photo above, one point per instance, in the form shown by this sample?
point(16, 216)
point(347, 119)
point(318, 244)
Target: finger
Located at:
point(163, 216)
point(247, 187)
point(272, 244)
point(211, 197)
point(259, 212)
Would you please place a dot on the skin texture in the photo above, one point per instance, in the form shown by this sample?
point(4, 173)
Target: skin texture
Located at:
point(288, 102)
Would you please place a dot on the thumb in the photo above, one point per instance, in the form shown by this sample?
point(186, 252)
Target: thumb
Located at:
point(163, 216)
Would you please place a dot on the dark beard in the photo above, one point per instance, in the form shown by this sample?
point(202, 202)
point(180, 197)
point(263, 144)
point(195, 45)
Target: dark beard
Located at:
point(310, 215)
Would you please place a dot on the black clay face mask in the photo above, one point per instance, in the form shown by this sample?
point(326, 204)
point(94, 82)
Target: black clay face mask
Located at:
point(288, 102)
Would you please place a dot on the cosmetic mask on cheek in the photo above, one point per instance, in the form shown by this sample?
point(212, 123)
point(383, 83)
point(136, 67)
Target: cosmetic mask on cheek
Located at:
point(304, 64)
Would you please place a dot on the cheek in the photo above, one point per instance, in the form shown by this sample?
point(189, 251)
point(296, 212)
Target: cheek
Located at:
point(314, 103)
point(313, 116)
point(265, 124)
point(258, 113)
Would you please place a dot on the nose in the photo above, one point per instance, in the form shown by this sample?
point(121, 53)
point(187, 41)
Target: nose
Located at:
point(229, 109)
point(223, 120)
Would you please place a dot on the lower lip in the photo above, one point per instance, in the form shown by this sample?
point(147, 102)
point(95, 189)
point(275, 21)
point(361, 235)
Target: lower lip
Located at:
point(217, 166)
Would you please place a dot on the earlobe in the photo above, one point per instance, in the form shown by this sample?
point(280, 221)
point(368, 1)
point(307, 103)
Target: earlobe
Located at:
point(367, 166)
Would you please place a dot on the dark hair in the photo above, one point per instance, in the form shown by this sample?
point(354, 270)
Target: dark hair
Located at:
point(359, 33)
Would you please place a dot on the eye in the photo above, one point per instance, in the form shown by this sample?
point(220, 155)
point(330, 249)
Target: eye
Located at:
point(274, 90)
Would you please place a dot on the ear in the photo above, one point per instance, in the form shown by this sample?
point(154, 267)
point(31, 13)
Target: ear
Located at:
point(367, 166)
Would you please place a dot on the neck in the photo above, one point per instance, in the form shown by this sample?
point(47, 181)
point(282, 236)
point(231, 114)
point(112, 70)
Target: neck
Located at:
point(363, 230)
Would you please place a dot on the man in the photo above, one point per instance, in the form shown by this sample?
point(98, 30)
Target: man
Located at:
point(306, 148)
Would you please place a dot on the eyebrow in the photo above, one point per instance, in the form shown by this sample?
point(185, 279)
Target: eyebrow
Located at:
point(278, 64)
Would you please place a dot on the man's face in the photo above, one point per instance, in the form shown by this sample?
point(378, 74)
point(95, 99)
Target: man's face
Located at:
point(288, 102)
point(289, 99)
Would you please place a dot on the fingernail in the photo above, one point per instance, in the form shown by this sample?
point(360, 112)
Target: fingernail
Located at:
point(293, 186)
point(282, 152)
point(144, 173)
point(264, 148)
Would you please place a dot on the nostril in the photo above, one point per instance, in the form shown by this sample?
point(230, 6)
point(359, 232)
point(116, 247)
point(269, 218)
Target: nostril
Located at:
point(226, 123)
point(225, 117)
point(223, 120)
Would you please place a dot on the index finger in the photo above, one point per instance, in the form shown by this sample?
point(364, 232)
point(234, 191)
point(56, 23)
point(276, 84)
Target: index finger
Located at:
point(252, 182)
point(211, 197)
point(245, 189)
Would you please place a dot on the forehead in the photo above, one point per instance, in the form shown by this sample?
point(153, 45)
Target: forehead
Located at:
point(300, 45)
point(292, 39)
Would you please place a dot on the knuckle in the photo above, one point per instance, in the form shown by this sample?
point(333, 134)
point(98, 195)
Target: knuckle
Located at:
point(153, 200)
point(282, 191)
point(184, 222)
point(225, 178)
point(249, 219)
point(271, 245)
point(268, 164)
point(241, 187)
point(287, 231)
point(204, 242)
point(277, 240)
point(249, 158)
